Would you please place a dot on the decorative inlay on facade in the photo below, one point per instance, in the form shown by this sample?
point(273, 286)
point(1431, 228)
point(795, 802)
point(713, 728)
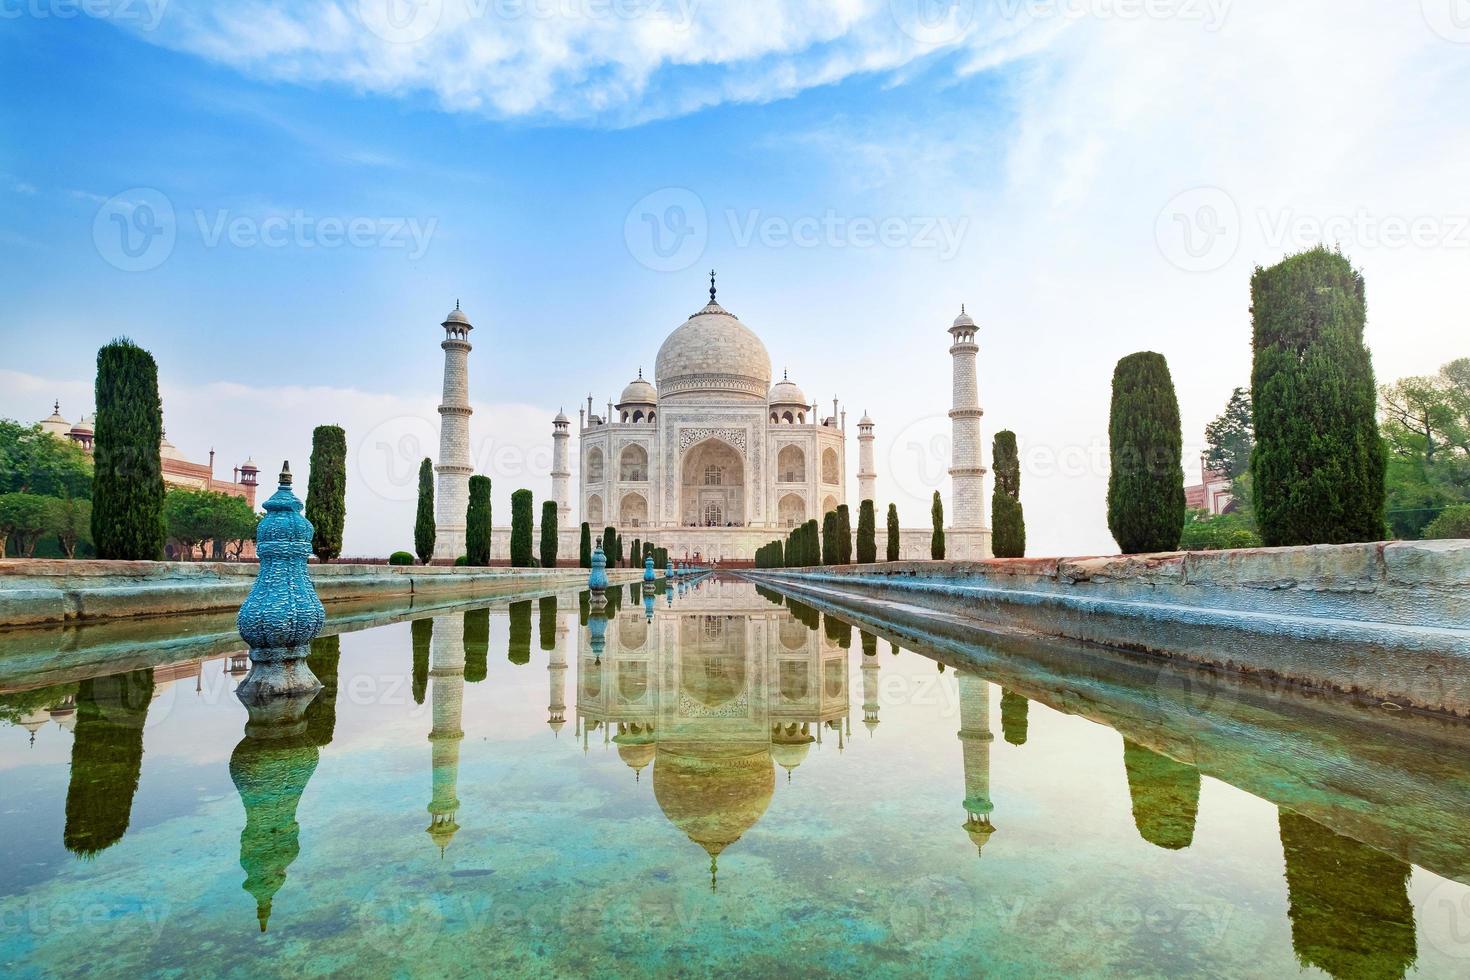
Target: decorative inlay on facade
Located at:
point(735, 437)
point(706, 382)
point(735, 708)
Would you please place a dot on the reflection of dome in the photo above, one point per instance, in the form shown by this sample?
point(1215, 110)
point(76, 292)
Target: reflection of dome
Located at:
point(789, 747)
point(638, 392)
point(713, 351)
point(713, 793)
point(636, 751)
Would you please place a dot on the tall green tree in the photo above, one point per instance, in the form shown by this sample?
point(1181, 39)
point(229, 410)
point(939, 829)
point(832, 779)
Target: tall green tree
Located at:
point(521, 514)
point(844, 535)
point(1425, 422)
point(326, 491)
point(1146, 481)
point(609, 545)
point(584, 553)
point(936, 540)
point(1319, 463)
point(127, 488)
point(891, 551)
point(71, 521)
point(1230, 438)
point(550, 534)
point(830, 550)
point(867, 535)
point(477, 522)
point(424, 531)
point(1008, 538)
point(33, 461)
point(634, 550)
point(24, 519)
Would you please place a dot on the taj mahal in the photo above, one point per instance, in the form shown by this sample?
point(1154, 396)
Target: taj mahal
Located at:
point(710, 459)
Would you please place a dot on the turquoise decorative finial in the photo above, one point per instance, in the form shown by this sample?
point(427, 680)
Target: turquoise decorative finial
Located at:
point(648, 573)
point(282, 612)
point(597, 580)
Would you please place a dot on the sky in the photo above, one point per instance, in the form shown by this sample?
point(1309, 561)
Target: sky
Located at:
point(282, 200)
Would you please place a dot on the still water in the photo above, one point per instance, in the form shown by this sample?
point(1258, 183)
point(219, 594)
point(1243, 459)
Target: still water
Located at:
point(713, 779)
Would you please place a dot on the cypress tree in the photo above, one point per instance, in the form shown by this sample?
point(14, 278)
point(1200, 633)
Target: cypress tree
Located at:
point(519, 652)
point(1009, 536)
point(521, 511)
point(893, 533)
point(634, 552)
point(1146, 482)
point(1319, 463)
point(867, 534)
point(844, 535)
point(936, 541)
point(423, 525)
point(326, 490)
point(584, 551)
point(127, 485)
point(609, 545)
point(813, 555)
point(550, 534)
point(829, 539)
point(477, 522)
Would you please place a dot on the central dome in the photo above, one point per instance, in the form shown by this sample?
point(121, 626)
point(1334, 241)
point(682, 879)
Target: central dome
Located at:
point(713, 352)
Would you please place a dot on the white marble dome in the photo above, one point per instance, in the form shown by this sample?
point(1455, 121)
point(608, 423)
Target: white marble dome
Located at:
point(785, 392)
point(638, 392)
point(713, 351)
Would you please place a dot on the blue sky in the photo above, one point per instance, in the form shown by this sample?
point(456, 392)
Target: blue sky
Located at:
point(1062, 166)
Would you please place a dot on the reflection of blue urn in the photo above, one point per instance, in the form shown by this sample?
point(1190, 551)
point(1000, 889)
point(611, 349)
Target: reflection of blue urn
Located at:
point(282, 612)
point(648, 575)
point(597, 632)
point(648, 605)
point(669, 569)
point(597, 580)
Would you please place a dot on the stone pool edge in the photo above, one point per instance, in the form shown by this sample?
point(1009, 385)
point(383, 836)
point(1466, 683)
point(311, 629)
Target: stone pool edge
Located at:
point(51, 592)
point(1386, 620)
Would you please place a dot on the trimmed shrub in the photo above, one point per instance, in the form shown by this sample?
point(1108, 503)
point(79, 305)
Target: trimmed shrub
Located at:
point(867, 534)
point(1318, 465)
point(477, 523)
point(127, 485)
point(936, 540)
point(424, 531)
point(609, 545)
point(1146, 482)
point(326, 491)
point(635, 553)
point(584, 549)
point(400, 558)
point(830, 548)
point(462, 561)
point(550, 534)
point(844, 535)
point(1452, 522)
point(1008, 522)
point(521, 511)
point(893, 533)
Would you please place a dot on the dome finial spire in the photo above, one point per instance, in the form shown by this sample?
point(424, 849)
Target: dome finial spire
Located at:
point(456, 303)
point(711, 285)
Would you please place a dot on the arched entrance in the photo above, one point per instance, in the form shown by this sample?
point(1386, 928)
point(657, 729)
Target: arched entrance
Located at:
point(791, 510)
point(634, 511)
point(712, 486)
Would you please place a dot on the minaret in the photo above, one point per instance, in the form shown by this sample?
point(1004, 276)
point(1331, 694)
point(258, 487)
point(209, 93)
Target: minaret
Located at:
point(870, 689)
point(454, 468)
point(561, 475)
point(975, 738)
point(967, 470)
point(446, 667)
point(867, 472)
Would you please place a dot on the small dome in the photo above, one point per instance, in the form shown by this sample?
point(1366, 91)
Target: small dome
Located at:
point(865, 420)
point(457, 316)
point(963, 320)
point(168, 450)
point(638, 392)
point(561, 418)
point(785, 392)
point(249, 465)
point(83, 427)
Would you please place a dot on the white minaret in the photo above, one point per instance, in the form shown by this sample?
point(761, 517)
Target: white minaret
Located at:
point(454, 469)
point(446, 667)
point(976, 737)
point(867, 472)
point(967, 470)
point(561, 475)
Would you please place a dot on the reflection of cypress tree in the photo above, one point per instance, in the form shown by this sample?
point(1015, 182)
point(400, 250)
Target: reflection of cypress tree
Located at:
point(106, 759)
point(869, 643)
point(1348, 904)
point(804, 614)
point(423, 632)
point(546, 621)
point(520, 632)
point(476, 645)
point(321, 714)
point(770, 595)
point(1013, 709)
point(1165, 796)
point(584, 607)
point(270, 775)
point(635, 592)
point(838, 632)
point(614, 597)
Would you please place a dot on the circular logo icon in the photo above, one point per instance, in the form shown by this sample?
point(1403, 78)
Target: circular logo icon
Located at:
point(389, 456)
point(399, 920)
point(135, 231)
point(400, 21)
point(1199, 230)
point(932, 908)
point(919, 457)
point(1444, 918)
point(666, 231)
point(1450, 19)
point(933, 22)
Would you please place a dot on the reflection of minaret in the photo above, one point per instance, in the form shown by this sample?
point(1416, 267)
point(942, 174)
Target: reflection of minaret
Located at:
point(975, 738)
point(870, 687)
point(446, 667)
point(557, 670)
point(1348, 904)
